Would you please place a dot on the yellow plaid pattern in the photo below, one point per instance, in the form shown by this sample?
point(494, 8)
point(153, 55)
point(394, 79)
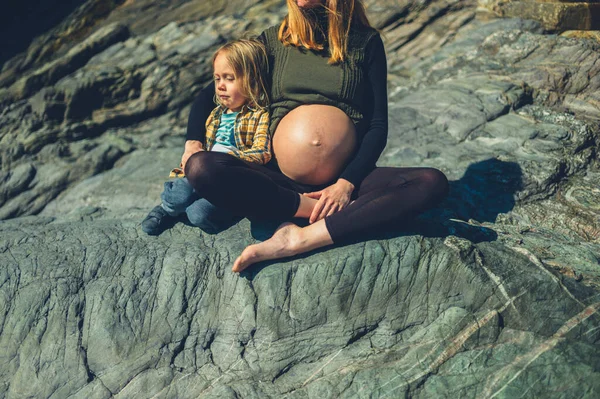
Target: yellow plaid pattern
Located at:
point(251, 132)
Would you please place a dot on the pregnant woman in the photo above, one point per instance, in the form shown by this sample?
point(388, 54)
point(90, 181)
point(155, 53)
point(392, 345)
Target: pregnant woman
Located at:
point(329, 125)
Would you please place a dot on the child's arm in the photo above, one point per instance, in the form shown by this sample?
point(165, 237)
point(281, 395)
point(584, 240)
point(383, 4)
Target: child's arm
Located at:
point(260, 152)
point(191, 147)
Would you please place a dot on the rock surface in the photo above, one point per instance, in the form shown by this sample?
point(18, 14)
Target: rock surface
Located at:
point(493, 294)
point(555, 15)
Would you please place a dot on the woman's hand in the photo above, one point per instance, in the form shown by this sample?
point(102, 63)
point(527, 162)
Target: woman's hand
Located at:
point(331, 199)
point(191, 147)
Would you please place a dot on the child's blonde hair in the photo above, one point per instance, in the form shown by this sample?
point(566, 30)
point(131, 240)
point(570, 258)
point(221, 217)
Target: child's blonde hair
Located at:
point(248, 58)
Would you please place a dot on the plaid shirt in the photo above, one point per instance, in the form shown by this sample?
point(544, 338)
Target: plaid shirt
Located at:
point(251, 133)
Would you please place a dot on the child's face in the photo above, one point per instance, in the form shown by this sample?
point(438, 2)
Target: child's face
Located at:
point(227, 86)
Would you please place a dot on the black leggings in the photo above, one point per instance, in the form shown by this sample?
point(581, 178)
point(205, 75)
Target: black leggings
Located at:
point(386, 196)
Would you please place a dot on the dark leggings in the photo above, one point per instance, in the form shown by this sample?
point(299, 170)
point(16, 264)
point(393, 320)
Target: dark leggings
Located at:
point(385, 197)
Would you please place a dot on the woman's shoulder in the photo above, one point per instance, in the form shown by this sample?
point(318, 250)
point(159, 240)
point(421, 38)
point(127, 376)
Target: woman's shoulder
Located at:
point(269, 35)
point(363, 29)
point(272, 30)
point(361, 36)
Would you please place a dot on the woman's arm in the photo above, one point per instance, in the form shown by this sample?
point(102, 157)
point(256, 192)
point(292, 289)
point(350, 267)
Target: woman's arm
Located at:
point(376, 116)
point(201, 108)
point(337, 196)
point(196, 128)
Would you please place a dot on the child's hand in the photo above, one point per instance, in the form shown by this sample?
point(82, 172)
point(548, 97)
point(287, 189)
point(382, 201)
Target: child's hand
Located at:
point(191, 147)
point(177, 172)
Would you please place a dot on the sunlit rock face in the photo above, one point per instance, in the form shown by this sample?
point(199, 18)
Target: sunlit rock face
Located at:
point(492, 294)
point(554, 15)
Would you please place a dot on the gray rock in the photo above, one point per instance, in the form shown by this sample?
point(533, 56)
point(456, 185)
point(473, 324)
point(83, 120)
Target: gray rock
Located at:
point(73, 60)
point(492, 294)
point(49, 104)
point(51, 178)
point(380, 318)
point(16, 181)
point(190, 39)
point(129, 190)
point(127, 55)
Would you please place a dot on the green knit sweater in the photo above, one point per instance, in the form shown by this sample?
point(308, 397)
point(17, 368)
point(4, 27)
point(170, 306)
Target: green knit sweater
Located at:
point(357, 86)
point(301, 76)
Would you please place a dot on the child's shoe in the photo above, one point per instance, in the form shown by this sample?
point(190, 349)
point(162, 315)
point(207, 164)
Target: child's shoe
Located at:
point(156, 222)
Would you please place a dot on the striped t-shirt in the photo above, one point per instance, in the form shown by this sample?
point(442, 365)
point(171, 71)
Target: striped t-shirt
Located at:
point(251, 140)
point(224, 136)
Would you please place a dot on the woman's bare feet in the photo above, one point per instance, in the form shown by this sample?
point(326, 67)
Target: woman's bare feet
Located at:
point(280, 245)
point(288, 240)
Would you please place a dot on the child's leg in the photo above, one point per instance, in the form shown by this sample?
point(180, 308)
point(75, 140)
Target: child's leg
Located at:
point(201, 213)
point(177, 195)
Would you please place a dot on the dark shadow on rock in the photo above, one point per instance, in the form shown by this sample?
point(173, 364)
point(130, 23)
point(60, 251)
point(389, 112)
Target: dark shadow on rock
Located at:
point(22, 21)
point(221, 226)
point(486, 190)
point(262, 230)
point(172, 221)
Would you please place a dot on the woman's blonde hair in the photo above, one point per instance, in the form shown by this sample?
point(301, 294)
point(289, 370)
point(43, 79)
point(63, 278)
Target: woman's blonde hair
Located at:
point(297, 30)
point(248, 58)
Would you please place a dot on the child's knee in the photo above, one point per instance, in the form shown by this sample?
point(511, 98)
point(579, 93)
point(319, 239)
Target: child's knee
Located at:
point(198, 220)
point(203, 221)
point(178, 193)
point(205, 215)
point(199, 212)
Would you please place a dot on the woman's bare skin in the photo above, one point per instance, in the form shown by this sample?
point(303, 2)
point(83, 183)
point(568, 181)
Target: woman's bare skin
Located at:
point(313, 143)
point(288, 240)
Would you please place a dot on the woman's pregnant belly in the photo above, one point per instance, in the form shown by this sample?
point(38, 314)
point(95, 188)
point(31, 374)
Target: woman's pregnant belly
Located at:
point(313, 143)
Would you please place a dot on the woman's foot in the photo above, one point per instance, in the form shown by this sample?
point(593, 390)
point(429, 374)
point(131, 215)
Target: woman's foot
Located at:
point(281, 245)
point(288, 240)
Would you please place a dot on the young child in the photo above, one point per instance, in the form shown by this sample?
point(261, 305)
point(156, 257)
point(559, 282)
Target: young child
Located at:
point(238, 126)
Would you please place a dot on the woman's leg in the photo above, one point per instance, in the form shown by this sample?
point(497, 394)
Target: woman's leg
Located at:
point(246, 189)
point(386, 194)
point(388, 197)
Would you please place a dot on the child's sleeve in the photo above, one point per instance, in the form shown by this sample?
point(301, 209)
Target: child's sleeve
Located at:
point(260, 152)
point(210, 132)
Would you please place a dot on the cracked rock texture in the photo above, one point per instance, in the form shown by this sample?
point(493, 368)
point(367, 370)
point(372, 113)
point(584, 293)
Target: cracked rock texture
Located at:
point(495, 293)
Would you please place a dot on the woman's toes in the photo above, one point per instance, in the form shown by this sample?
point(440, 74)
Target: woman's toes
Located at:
point(281, 245)
point(244, 260)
